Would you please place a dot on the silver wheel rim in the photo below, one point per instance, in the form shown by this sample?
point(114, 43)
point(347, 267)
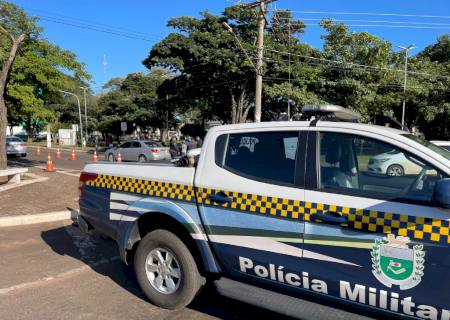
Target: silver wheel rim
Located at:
point(111, 158)
point(141, 159)
point(395, 171)
point(163, 271)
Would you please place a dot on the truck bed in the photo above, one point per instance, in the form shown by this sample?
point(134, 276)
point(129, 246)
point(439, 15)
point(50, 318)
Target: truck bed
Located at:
point(155, 172)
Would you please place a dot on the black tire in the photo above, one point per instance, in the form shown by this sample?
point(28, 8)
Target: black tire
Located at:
point(395, 170)
point(142, 158)
point(190, 281)
point(23, 155)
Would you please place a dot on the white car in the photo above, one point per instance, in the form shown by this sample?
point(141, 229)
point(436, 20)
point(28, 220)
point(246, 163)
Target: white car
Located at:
point(16, 146)
point(393, 163)
point(442, 144)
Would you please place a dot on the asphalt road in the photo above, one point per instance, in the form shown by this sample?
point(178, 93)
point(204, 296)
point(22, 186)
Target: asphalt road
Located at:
point(53, 271)
point(64, 163)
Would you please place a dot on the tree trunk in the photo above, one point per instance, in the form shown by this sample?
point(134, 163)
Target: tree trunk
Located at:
point(238, 113)
point(3, 127)
point(3, 82)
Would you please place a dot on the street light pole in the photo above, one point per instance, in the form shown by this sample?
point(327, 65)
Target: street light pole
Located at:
point(406, 50)
point(85, 110)
point(79, 113)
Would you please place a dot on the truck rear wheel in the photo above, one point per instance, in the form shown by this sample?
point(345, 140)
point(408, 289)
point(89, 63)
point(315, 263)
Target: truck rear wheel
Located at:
point(166, 270)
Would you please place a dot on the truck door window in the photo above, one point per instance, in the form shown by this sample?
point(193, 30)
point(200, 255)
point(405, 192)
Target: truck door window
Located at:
point(367, 167)
point(265, 156)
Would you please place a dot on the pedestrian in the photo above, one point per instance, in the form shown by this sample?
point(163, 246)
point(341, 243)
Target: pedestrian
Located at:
point(173, 148)
point(183, 148)
point(192, 144)
point(199, 141)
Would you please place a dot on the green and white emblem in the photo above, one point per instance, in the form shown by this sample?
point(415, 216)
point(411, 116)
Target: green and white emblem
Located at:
point(393, 262)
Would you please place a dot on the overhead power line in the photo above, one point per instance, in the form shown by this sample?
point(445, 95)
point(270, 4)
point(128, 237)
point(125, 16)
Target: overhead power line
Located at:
point(379, 24)
point(350, 64)
point(389, 26)
point(94, 26)
point(381, 14)
point(371, 21)
point(116, 32)
point(349, 84)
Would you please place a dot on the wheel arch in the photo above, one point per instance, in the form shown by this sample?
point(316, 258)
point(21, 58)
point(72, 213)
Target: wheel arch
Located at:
point(185, 230)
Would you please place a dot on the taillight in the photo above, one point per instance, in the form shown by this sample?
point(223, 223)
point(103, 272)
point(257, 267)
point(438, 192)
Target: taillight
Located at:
point(155, 150)
point(85, 177)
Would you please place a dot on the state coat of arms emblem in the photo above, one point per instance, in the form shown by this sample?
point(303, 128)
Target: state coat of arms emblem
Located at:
point(395, 263)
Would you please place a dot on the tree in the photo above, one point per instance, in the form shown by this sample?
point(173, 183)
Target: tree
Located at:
point(215, 76)
point(132, 99)
point(16, 26)
point(29, 82)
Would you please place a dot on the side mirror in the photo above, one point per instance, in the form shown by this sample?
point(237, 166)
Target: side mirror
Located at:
point(441, 195)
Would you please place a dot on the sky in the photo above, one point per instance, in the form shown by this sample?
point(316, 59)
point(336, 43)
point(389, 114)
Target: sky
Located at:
point(69, 24)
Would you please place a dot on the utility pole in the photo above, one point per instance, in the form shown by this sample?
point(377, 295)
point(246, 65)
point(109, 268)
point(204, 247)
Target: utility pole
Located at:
point(290, 87)
point(259, 61)
point(261, 4)
point(406, 50)
point(167, 117)
point(85, 110)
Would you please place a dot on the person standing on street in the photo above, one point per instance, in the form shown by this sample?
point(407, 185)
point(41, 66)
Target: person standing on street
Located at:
point(183, 148)
point(199, 141)
point(174, 150)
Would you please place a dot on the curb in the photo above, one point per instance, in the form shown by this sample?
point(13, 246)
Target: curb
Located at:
point(26, 219)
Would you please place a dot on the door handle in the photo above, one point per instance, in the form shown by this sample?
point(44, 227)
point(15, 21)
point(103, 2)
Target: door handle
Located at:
point(220, 197)
point(330, 217)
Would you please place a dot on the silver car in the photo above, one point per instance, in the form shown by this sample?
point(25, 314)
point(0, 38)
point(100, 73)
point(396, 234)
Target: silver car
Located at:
point(138, 150)
point(16, 146)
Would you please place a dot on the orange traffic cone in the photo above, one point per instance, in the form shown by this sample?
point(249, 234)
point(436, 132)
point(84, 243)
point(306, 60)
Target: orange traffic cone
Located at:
point(50, 167)
point(119, 157)
point(38, 151)
point(58, 154)
point(73, 156)
point(95, 157)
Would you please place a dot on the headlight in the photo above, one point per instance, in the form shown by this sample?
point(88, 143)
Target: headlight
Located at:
point(380, 160)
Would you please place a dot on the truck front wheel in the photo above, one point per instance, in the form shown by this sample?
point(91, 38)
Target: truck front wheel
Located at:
point(166, 270)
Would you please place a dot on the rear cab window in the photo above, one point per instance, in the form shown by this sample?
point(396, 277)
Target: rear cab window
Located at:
point(263, 156)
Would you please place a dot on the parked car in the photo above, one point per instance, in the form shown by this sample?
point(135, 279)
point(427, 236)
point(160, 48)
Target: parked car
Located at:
point(16, 146)
point(393, 163)
point(138, 150)
point(442, 144)
point(281, 215)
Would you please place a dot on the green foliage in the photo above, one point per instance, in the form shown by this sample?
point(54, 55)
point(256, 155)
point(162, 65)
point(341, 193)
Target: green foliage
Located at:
point(132, 99)
point(39, 71)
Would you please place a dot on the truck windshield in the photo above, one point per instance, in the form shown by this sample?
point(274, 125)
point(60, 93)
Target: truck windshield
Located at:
point(439, 150)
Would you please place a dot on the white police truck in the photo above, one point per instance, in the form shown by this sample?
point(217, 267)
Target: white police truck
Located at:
point(290, 216)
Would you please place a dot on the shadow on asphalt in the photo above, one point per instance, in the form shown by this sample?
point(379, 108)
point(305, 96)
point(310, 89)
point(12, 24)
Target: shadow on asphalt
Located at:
point(24, 162)
point(92, 249)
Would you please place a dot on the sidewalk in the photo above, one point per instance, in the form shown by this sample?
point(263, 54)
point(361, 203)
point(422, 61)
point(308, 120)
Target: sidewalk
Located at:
point(58, 193)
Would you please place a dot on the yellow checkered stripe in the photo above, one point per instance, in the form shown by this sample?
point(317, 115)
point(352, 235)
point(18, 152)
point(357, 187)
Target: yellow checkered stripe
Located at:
point(416, 228)
point(161, 189)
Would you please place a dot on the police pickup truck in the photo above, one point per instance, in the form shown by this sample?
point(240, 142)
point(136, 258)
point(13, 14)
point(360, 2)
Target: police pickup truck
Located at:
point(307, 218)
